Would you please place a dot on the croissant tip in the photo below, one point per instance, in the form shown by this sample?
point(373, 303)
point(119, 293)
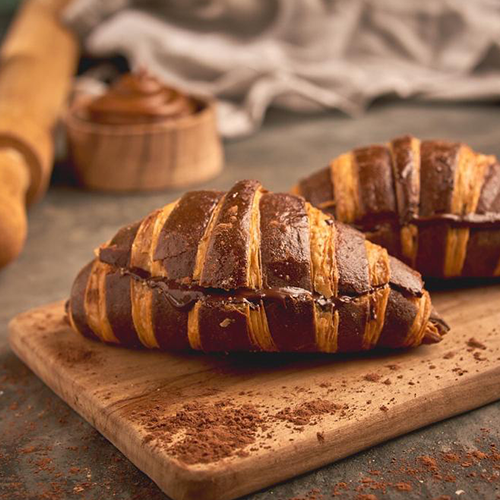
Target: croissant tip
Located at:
point(431, 336)
point(436, 329)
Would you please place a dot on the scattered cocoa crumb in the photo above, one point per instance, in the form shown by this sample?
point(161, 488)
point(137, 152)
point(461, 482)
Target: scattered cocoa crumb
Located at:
point(384, 408)
point(320, 436)
point(451, 457)
point(393, 367)
point(75, 357)
point(476, 344)
point(312, 494)
point(479, 357)
point(449, 355)
point(440, 467)
point(403, 486)
point(304, 413)
point(372, 377)
point(387, 381)
point(428, 462)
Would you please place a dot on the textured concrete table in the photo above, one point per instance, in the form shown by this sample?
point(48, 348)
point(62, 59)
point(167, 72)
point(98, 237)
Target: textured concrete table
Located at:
point(47, 451)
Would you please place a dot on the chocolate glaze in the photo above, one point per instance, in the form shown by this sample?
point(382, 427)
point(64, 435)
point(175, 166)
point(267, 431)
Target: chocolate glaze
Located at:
point(223, 327)
point(376, 184)
point(226, 259)
point(352, 321)
point(489, 200)
point(405, 279)
point(431, 243)
point(117, 252)
point(439, 161)
point(181, 235)
point(477, 220)
point(400, 315)
point(318, 188)
point(405, 174)
point(386, 235)
point(285, 246)
point(376, 224)
point(291, 322)
point(119, 308)
point(139, 98)
point(483, 253)
point(169, 322)
point(77, 302)
point(352, 262)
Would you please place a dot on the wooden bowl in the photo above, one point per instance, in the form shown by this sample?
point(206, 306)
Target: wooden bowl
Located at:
point(173, 153)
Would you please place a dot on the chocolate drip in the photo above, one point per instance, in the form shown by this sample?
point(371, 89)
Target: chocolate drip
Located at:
point(472, 220)
point(183, 297)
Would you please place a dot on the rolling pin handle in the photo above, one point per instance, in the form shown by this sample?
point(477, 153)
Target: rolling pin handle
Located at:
point(14, 184)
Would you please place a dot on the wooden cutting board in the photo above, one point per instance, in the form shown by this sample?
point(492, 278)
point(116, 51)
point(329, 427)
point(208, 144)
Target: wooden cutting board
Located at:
point(368, 398)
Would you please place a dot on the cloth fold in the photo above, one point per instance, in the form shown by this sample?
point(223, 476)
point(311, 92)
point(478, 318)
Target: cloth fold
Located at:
point(302, 55)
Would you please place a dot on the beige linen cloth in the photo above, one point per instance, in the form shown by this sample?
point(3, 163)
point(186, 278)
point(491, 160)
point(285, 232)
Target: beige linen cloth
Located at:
point(302, 55)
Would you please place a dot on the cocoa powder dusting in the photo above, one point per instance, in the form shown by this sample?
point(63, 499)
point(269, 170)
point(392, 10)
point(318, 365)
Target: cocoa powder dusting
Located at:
point(75, 357)
point(210, 432)
point(304, 413)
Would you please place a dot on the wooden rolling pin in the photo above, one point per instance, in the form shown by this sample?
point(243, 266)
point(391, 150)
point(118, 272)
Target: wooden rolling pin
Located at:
point(37, 61)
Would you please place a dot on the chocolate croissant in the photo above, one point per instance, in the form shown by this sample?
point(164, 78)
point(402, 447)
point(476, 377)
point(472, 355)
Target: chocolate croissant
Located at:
point(249, 270)
point(433, 204)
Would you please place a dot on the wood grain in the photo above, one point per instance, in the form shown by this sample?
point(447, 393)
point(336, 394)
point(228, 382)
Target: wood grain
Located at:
point(106, 385)
point(171, 154)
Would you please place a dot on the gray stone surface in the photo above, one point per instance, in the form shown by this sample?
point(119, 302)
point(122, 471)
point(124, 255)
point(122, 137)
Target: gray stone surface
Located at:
point(46, 448)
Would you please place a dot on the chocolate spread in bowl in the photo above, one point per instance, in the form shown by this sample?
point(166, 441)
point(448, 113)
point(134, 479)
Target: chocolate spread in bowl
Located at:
point(137, 98)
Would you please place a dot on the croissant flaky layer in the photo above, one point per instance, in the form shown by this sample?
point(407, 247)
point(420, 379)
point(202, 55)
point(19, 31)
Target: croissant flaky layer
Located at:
point(249, 270)
point(433, 204)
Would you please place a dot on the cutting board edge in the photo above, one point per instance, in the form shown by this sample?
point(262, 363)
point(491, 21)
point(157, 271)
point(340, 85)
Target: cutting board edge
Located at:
point(184, 476)
point(210, 483)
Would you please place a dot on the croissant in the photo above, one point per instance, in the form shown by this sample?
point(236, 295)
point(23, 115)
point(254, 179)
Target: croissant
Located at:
point(249, 270)
point(433, 204)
